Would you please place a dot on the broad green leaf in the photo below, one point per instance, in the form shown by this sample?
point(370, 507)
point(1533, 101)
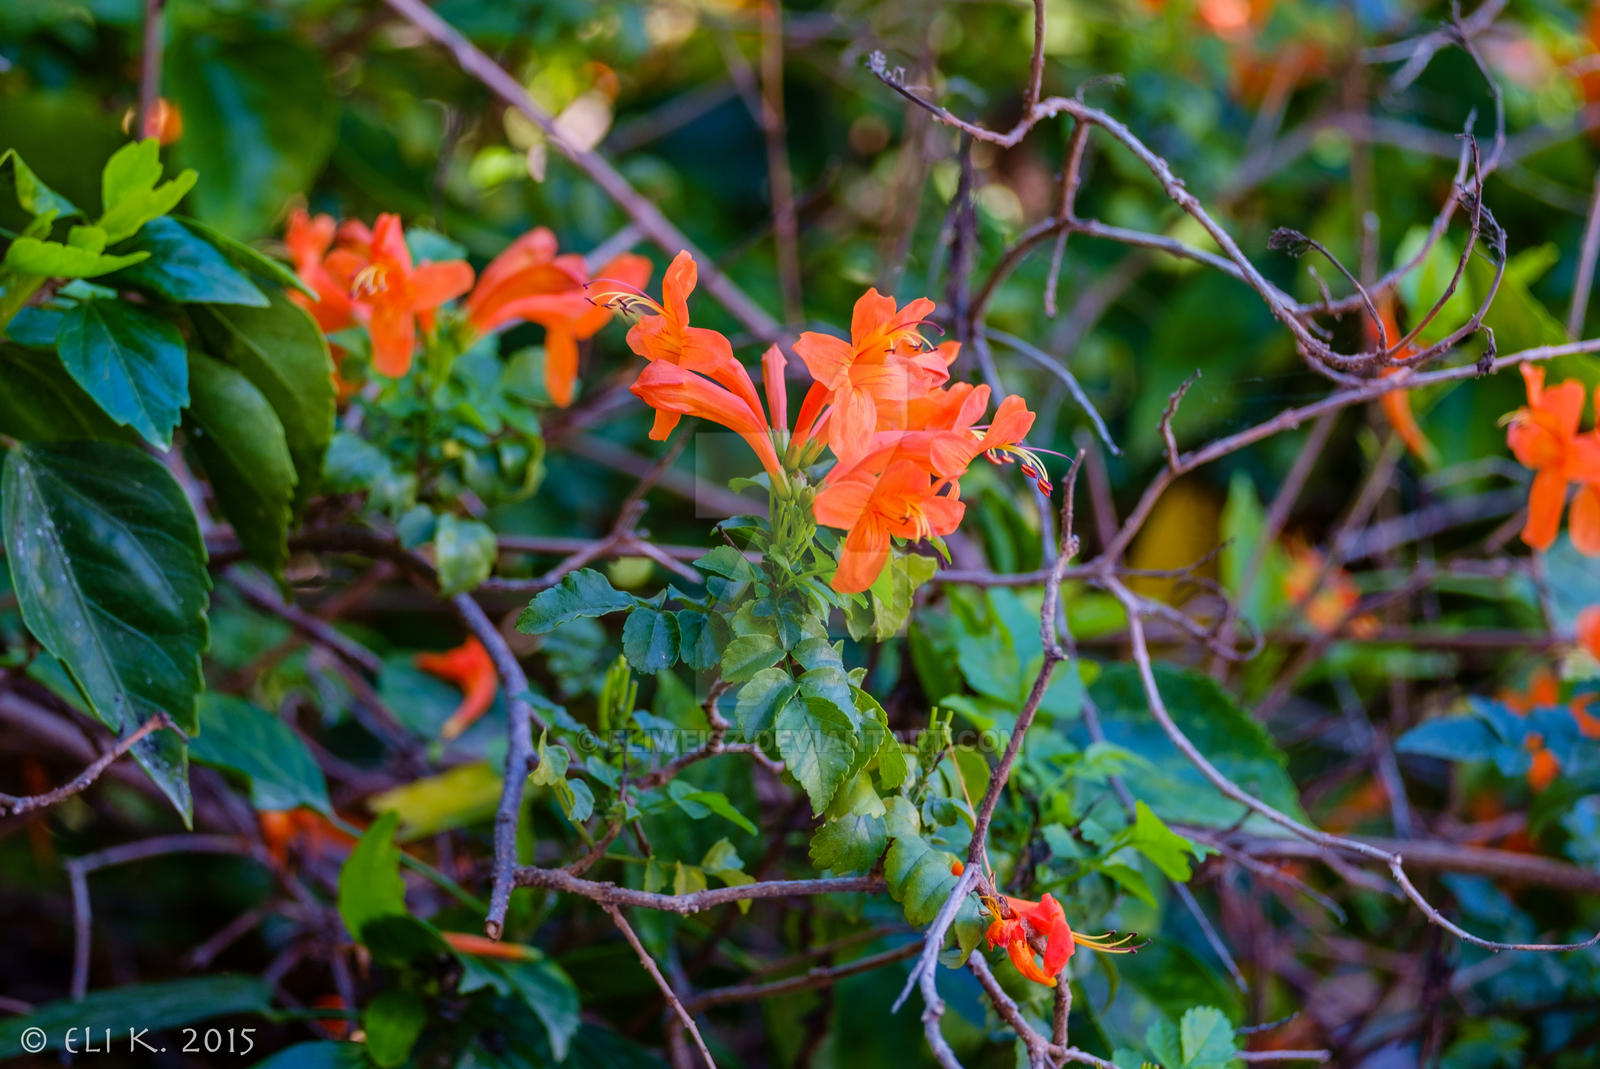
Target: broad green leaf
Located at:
point(183, 267)
point(1206, 1037)
point(650, 639)
point(109, 572)
point(132, 192)
point(818, 743)
point(760, 700)
point(542, 985)
point(34, 196)
point(1236, 744)
point(42, 403)
point(324, 1054)
point(251, 741)
point(748, 655)
point(452, 799)
point(851, 843)
point(583, 593)
point(701, 638)
point(393, 1020)
point(701, 804)
point(131, 361)
point(156, 1006)
point(370, 887)
point(35, 256)
point(464, 552)
point(1165, 1043)
point(250, 259)
point(241, 445)
point(283, 353)
point(1165, 848)
point(258, 121)
point(920, 879)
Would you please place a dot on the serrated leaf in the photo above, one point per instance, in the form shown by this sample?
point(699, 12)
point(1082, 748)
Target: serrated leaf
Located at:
point(747, 655)
point(894, 591)
point(131, 190)
point(1165, 848)
point(1206, 1037)
point(182, 267)
point(109, 572)
point(701, 637)
point(851, 843)
point(280, 349)
point(584, 593)
point(242, 447)
point(131, 361)
point(237, 735)
point(650, 639)
point(370, 887)
point(1164, 1042)
point(919, 878)
point(818, 743)
point(464, 552)
point(761, 698)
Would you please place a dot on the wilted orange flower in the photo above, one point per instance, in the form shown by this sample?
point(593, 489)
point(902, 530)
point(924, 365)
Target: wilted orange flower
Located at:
point(390, 294)
point(1325, 609)
point(885, 363)
point(1544, 436)
point(467, 666)
point(530, 282)
point(1020, 925)
point(883, 494)
point(1396, 404)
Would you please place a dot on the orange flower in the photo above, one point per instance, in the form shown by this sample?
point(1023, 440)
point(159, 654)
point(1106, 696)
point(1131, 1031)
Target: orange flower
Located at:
point(885, 494)
point(304, 831)
point(1326, 607)
point(885, 363)
point(1021, 926)
point(391, 295)
point(675, 391)
point(164, 122)
point(1543, 692)
point(467, 666)
point(483, 947)
point(529, 282)
point(309, 238)
point(1544, 436)
point(666, 335)
point(1396, 404)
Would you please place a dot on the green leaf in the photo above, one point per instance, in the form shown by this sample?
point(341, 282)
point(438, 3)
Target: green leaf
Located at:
point(894, 590)
point(155, 1006)
point(242, 255)
point(1165, 848)
point(747, 655)
point(1164, 1042)
point(184, 268)
point(761, 698)
point(370, 887)
point(452, 799)
point(42, 403)
point(1234, 742)
point(324, 1054)
point(35, 256)
point(580, 594)
point(110, 576)
point(258, 121)
point(701, 637)
point(464, 552)
point(541, 985)
point(251, 741)
point(393, 1020)
point(282, 352)
point(131, 361)
point(34, 196)
point(851, 843)
point(650, 639)
point(242, 447)
point(818, 743)
point(1206, 1037)
point(701, 804)
point(131, 190)
point(920, 880)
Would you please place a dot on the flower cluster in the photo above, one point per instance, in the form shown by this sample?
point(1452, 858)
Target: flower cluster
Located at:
point(367, 277)
point(900, 433)
point(1544, 436)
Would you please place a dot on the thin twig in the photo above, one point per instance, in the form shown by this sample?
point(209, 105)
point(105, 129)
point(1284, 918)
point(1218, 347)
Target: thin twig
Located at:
point(649, 964)
point(15, 806)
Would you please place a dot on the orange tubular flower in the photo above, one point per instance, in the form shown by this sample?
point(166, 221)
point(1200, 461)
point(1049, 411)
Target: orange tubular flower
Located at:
point(1396, 404)
point(1544, 436)
point(482, 946)
point(1020, 925)
point(309, 238)
point(674, 391)
point(467, 666)
point(1589, 630)
point(884, 494)
point(529, 282)
point(885, 363)
point(390, 295)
